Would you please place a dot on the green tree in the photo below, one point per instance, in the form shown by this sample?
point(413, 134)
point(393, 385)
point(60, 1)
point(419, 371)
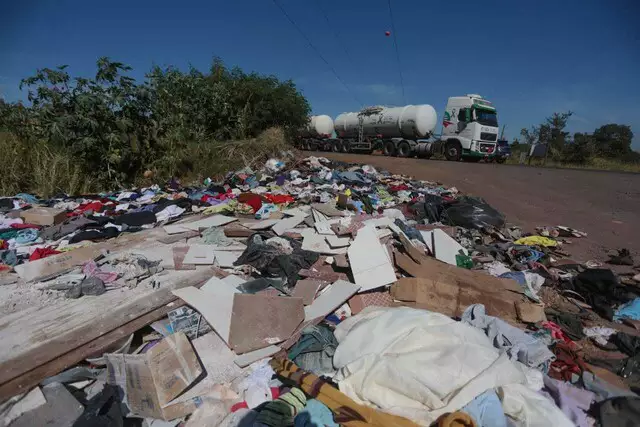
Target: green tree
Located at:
point(579, 150)
point(613, 140)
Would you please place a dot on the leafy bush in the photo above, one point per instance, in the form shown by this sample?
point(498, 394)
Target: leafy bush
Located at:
point(112, 128)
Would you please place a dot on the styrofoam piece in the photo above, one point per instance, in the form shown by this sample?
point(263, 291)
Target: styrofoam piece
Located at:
point(234, 280)
point(324, 227)
point(175, 229)
point(331, 298)
point(253, 356)
point(315, 242)
point(217, 285)
point(446, 248)
point(214, 303)
point(200, 255)
point(287, 224)
point(296, 212)
point(211, 221)
point(262, 225)
point(225, 258)
point(369, 261)
point(337, 242)
point(379, 222)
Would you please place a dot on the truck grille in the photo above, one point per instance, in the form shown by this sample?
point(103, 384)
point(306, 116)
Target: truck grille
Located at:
point(487, 148)
point(486, 136)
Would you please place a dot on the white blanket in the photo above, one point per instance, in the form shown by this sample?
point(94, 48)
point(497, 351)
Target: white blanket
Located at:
point(419, 364)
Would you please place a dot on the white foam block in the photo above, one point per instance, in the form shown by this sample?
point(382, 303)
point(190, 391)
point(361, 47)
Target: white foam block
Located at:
point(330, 299)
point(369, 261)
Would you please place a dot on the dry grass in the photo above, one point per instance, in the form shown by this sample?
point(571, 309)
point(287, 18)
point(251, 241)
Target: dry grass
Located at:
point(596, 163)
point(40, 169)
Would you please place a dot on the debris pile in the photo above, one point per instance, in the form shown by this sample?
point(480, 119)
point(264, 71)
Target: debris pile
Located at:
point(308, 293)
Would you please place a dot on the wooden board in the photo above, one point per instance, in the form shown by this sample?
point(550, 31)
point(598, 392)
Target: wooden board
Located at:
point(32, 338)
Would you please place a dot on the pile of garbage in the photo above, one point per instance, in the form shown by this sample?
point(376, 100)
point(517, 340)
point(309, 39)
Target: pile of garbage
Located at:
point(307, 293)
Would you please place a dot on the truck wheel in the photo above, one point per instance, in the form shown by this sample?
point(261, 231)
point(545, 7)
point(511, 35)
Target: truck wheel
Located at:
point(389, 149)
point(345, 147)
point(336, 146)
point(306, 145)
point(453, 151)
point(404, 149)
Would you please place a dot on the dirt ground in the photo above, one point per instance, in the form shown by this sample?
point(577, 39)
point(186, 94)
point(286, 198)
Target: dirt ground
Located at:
point(606, 205)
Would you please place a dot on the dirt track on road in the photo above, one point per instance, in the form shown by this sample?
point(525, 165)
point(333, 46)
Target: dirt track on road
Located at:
point(606, 205)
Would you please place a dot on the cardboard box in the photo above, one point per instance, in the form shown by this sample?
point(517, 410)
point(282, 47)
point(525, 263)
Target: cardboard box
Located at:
point(44, 216)
point(152, 380)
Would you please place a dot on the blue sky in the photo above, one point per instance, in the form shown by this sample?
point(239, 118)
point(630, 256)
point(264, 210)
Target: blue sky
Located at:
point(529, 58)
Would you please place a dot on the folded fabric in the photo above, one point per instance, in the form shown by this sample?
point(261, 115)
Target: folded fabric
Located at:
point(315, 414)
point(518, 345)
point(573, 401)
point(413, 366)
point(283, 410)
point(528, 408)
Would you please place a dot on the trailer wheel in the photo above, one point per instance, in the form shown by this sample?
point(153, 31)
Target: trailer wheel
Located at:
point(389, 148)
point(345, 147)
point(453, 151)
point(404, 149)
point(336, 146)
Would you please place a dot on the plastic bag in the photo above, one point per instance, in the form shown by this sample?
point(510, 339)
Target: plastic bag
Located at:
point(472, 212)
point(274, 165)
point(430, 210)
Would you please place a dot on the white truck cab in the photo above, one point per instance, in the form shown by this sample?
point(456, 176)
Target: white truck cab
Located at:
point(469, 128)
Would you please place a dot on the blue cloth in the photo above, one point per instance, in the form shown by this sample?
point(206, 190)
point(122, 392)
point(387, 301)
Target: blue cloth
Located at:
point(27, 235)
point(32, 200)
point(486, 410)
point(630, 310)
point(316, 414)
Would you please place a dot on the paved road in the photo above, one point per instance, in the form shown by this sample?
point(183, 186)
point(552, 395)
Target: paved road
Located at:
point(606, 205)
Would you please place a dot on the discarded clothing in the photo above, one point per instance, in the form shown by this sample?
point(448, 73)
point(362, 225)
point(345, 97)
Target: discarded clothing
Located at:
point(628, 344)
point(530, 408)
point(567, 362)
point(457, 419)
point(536, 241)
point(135, 219)
point(42, 253)
point(315, 414)
point(530, 282)
point(346, 412)
point(423, 351)
point(517, 344)
point(623, 257)
point(282, 411)
point(570, 323)
point(271, 261)
point(599, 334)
point(56, 232)
point(603, 389)
point(630, 310)
point(315, 349)
point(9, 257)
point(573, 401)
point(618, 412)
point(486, 410)
point(601, 290)
point(104, 233)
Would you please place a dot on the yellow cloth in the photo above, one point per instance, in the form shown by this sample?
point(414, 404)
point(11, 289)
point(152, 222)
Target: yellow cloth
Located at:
point(346, 412)
point(456, 419)
point(536, 241)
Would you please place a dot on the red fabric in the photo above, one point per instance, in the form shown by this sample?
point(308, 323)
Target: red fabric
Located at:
point(252, 200)
point(22, 226)
point(94, 206)
point(43, 253)
point(3, 244)
point(279, 199)
point(400, 187)
point(557, 333)
point(5, 267)
point(567, 362)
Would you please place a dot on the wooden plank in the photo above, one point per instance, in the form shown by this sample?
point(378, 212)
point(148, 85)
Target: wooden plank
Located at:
point(45, 347)
point(100, 344)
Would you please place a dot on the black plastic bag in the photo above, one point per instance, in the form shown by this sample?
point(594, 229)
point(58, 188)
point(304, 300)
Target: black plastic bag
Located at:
point(431, 209)
point(472, 212)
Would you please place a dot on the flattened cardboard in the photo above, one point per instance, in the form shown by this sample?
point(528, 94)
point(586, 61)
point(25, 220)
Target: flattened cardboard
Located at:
point(259, 321)
point(152, 380)
point(56, 264)
point(43, 216)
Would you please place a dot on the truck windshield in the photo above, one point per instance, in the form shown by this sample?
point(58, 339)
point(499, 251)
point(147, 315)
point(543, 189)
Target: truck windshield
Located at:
point(487, 118)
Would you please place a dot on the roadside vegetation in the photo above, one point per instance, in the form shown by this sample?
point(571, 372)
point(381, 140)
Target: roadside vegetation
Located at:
point(79, 135)
point(607, 148)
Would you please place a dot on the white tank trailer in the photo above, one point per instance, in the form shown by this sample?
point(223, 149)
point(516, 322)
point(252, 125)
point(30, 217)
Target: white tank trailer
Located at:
point(469, 131)
point(318, 127)
point(394, 129)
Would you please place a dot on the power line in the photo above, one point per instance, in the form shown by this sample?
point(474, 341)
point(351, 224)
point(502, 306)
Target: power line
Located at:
point(335, 73)
point(395, 44)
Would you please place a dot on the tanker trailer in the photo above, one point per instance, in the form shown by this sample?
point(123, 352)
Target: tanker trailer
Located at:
point(317, 134)
point(394, 129)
